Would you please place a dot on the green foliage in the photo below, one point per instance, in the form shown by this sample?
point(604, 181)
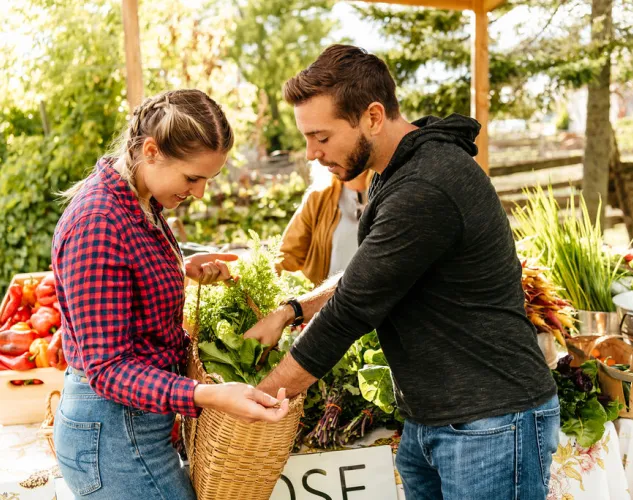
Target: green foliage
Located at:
point(430, 55)
point(225, 314)
point(571, 247)
point(272, 40)
point(232, 209)
point(562, 122)
point(583, 409)
point(81, 88)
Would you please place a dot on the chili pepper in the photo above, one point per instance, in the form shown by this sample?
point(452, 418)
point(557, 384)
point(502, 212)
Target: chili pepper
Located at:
point(44, 320)
point(28, 292)
point(17, 339)
point(38, 350)
point(21, 363)
point(15, 299)
point(8, 324)
point(22, 314)
point(55, 353)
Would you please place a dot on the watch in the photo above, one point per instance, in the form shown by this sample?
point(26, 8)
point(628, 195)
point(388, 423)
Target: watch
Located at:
point(296, 306)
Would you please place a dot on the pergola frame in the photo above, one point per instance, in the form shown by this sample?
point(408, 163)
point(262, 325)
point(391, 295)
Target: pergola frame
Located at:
point(480, 81)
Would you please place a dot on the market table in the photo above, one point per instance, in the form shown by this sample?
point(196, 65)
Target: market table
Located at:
point(602, 472)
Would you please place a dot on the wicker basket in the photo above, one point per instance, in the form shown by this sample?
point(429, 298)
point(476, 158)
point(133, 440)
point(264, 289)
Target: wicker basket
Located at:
point(46, 429)
point(230, 459)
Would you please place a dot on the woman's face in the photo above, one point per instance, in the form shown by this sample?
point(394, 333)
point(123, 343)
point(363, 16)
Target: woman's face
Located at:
point(171, 181)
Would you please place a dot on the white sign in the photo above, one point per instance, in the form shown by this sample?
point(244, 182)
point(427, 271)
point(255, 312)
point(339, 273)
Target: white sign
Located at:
point(361, 474)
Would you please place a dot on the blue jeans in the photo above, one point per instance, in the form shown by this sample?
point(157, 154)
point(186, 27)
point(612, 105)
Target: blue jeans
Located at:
point(109, 451)
point(498, 458)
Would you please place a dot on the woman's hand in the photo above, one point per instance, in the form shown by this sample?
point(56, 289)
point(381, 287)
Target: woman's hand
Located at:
point(207, 268)
point(242, 401)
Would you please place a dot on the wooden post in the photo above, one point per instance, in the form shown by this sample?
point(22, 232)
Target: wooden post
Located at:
point(480, 83)
point(132, 53)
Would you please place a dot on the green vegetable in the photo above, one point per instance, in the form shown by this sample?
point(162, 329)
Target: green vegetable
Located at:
point(225, 316)
point(583, 409)
point(571, 247)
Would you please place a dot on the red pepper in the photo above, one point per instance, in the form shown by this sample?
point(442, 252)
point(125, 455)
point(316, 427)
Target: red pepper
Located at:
point(46, 286)
point(22, 314)
point(45, 319)
point(17, 340)
point(54, 353)
point(20, 363)
point(15, 299)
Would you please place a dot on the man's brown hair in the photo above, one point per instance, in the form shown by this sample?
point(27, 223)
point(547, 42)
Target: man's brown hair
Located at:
point(352, 76)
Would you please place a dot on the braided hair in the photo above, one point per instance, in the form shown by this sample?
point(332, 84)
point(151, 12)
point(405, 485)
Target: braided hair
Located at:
point(180, 121)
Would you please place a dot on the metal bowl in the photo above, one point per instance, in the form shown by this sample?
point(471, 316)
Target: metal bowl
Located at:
point(598, 323)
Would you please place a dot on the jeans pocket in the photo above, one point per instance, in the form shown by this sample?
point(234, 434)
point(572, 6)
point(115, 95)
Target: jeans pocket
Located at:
point(77, 448)
point(487, 426)
point(547, 428)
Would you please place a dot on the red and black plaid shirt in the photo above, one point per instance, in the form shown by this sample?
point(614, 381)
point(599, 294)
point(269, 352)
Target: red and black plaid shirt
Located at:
point(120, 288)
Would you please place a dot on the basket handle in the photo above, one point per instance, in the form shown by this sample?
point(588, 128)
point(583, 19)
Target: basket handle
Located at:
point(49, 417)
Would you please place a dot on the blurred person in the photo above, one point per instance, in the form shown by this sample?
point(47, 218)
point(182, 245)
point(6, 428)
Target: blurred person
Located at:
point(321, 238)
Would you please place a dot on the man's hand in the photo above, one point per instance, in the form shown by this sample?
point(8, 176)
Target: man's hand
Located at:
point(207, 268)
point(242, 401)
point(269, 329)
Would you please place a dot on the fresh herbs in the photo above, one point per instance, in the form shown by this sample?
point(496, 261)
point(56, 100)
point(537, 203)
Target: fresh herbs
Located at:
point(225, 315)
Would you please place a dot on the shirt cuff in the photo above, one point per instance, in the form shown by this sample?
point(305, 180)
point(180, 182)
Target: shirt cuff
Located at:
point(182, 397)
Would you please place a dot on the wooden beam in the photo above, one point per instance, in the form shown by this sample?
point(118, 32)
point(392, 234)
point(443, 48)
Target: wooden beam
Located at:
point(529, 166)
point(480, 82)
point(134, 72)
point(438, 4)
point(490, 5)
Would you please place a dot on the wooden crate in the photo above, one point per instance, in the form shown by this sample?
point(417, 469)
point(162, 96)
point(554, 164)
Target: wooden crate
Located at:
point(26, 404)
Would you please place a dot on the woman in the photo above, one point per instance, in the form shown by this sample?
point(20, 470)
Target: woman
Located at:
point(119, 279)
point(321, 237)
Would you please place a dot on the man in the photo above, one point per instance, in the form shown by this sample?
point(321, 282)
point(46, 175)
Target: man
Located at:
point(437, 275)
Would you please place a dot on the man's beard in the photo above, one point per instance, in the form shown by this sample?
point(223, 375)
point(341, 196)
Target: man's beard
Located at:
point(358, 159)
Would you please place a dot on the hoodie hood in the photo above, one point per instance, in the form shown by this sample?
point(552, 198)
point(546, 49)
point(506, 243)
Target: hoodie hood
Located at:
point(455, 129)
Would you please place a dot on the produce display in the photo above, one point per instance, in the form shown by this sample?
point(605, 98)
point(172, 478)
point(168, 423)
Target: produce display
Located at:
point(30, 335)
point(352, 398)
point(547, 311)
point(571, 247)
point(583, 408)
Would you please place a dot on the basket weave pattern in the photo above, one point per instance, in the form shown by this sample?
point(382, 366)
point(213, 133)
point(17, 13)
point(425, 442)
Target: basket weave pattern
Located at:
point(230, 459)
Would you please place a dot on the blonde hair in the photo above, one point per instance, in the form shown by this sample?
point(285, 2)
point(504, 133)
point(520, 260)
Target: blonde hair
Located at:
point(180, 121)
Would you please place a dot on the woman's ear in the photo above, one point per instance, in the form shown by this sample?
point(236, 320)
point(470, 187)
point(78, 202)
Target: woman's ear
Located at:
point(150, 149)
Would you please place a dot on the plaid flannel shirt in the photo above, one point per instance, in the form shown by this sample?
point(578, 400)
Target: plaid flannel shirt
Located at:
point(121, 294)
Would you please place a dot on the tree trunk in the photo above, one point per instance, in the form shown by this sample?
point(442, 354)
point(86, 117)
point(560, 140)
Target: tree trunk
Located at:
point(598, 130)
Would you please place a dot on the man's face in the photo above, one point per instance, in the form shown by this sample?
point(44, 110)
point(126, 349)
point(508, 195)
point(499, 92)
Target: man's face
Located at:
point(344, 150)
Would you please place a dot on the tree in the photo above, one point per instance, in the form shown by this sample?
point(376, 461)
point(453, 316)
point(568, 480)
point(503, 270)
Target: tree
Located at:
point(599, 133)
point(429, 54)
point(272, 40)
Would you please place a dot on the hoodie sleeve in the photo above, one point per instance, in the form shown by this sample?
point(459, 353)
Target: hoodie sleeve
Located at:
point(415, 224)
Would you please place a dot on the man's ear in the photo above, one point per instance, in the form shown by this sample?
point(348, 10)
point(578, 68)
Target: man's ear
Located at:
point(375, 118)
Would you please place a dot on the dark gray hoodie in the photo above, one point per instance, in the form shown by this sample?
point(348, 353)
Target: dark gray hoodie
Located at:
point(437, 275)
